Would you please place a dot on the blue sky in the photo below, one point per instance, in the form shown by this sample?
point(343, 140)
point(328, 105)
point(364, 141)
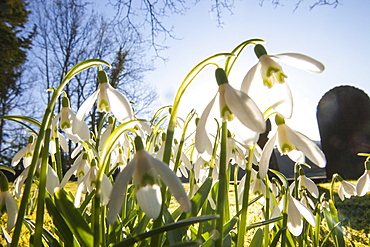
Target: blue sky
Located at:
point(338, 37)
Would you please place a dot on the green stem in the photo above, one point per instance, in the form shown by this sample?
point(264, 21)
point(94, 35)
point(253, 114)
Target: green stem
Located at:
point(58, 158)
point(42, 191)
point(45, 124)
point(285, 219)
point(27, 189)
point(223, 181)
point(244, 210)
point(96, 218)
point(267, 212)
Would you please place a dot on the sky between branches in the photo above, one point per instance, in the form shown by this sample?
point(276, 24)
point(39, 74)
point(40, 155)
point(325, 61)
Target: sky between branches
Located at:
point(338, 37)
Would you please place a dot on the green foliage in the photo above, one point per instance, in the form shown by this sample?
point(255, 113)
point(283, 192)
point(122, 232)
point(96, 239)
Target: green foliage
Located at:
point(13, 46)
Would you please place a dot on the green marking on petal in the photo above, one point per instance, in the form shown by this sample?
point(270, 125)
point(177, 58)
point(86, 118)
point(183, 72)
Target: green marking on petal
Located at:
point(226, 113)
point(267, 82)
point(28, 154)
point(286, 147)
point(281, 77)
point(271, 70)
point(65, 125)
point(103, 105)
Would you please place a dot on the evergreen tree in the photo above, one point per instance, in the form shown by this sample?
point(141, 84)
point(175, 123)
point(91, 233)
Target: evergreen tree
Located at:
point(14, 43)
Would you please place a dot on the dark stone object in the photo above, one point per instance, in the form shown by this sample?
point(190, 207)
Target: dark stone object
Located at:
point(343, 116)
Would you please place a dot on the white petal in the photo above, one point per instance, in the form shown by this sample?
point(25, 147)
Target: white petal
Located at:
point(304, 211)
point(52, 180)
point(172, 181)
point(149, 198)
point(265, 157)
point(301, 61)
point(63, 142)
point(119, 105)
point(281, 99)
point(76, 150)
point(363, 184)
point(244, 109)
point(295, 224)
point(19, 181)
point(52, 147)
point(69, 173)
point(106, 190)
point(297, 156)
point(201, 135)
point(311, 186)
point(348, 188)
point(119, 190)
point(18, 156)
point(12, 211)
point(83, 111)
point(341, 192)
point(249, 78)
point(307, 146)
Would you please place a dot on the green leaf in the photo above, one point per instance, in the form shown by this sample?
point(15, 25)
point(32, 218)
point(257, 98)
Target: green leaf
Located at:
point(257, 238)
point(76, 223)
point(230, 61)
point(200, 197)
point(63, 231)
point(229, 225)
point(7, 168)
point(169, 227)
point(263, 223)
point(82, 66)
point(21, 120)
point(48, 237)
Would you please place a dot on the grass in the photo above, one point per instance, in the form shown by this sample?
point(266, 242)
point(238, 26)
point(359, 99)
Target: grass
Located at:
point(355, 212)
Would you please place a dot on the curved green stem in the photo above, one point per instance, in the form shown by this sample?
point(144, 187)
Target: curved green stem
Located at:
point(244, 209)
point(42, 191)
point(184, 85)
point(45, 124)
point(223, 181)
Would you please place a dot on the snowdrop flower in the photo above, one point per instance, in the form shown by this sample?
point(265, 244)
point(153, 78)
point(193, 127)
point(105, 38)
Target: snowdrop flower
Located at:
point(232, 103)
point(66, 117)
point(7, 202)
point(272, 75)
point(363, 183)
point(288, 140)
point(108, 99)
point(87, 184)
point(25, 153)
point(295, 210)
point(306, 183)
point(145, 171)
point(346, 189)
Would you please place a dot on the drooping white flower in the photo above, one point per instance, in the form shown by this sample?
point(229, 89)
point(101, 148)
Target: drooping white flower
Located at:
point(7, 203)
point(287, 140)
point(145, 170)
point(306, 183)
point(363, 183)
point(346, 189)
point(25, 153)
point(232, 103)
point(273, 77)
point(295, 211)
point(66, 117)
point(88, 183)
point(108, 99)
